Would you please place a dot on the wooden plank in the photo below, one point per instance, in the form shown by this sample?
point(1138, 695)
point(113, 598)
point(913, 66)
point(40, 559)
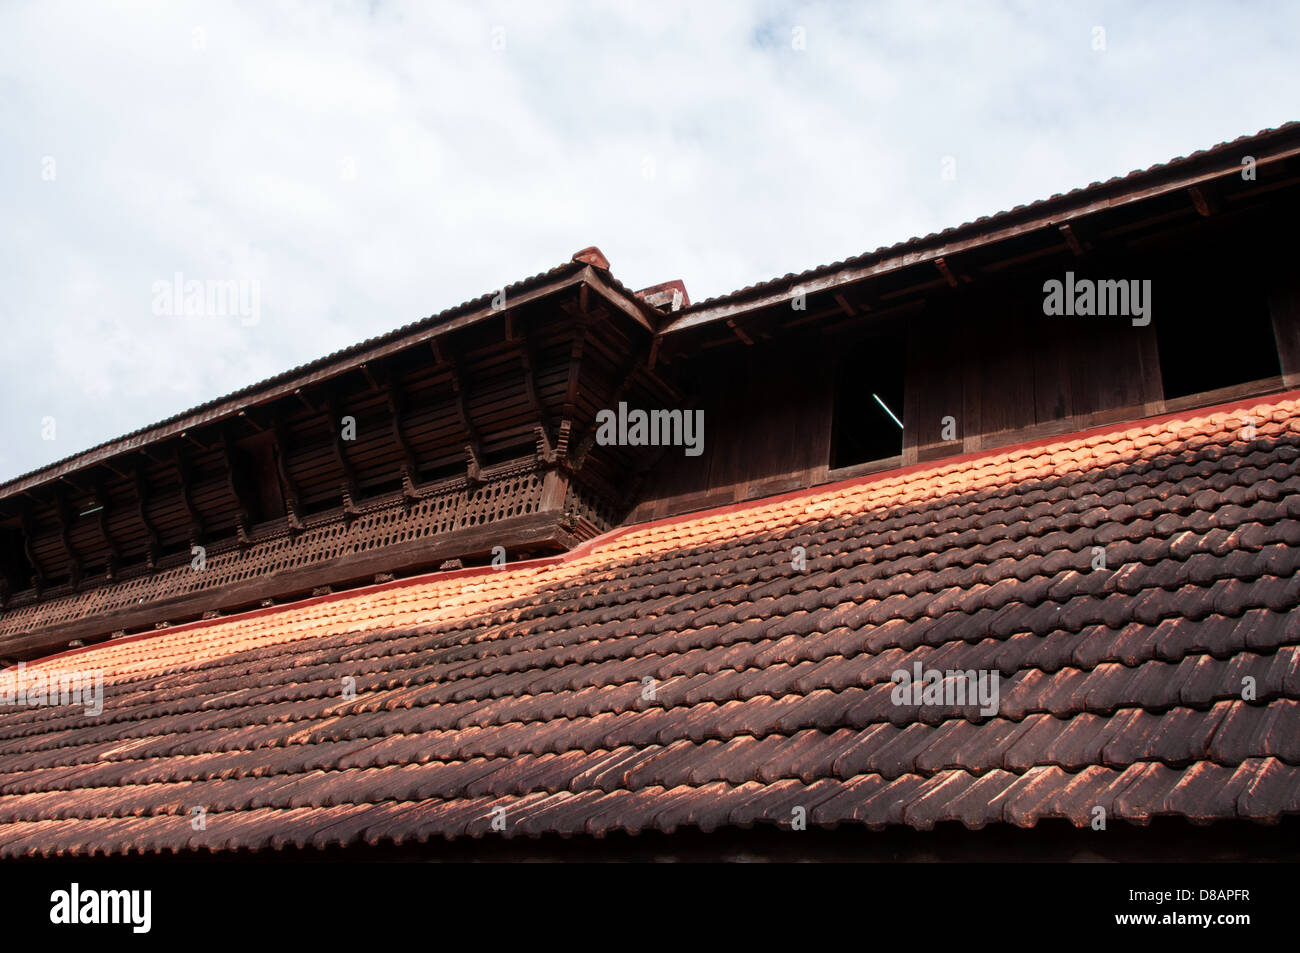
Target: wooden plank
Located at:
point(933, 388)
point(1284, 308)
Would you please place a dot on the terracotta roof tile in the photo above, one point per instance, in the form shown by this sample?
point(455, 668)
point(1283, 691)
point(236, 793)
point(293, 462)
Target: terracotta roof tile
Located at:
point(680, 674)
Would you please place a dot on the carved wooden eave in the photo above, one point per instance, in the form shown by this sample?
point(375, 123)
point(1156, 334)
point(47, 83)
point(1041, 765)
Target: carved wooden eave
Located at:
point(474, 433)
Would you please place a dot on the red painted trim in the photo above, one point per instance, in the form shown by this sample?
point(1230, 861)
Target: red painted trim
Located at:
point(583, 549)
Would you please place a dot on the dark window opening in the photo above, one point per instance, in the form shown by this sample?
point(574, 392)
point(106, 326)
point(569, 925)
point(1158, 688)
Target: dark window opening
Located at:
point(15, 571)
point(1213, 338)
point(867, 421)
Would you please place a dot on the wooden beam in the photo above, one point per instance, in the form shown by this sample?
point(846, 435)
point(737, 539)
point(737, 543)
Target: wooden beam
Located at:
point(288, 488)
point(942, 264)
point(237, 486)
point(186, 435)
point(140, 485)
point(29, 546)
point(396, 402)
point(110, 544)
point(348, 484)
point(575, 369)
point(305, 402)
point(252, 421)
point(181, 464)
point(735, 329)
point(63, 513)
point(528, 360)
point(1072, 240)
point(473, 445)
point(370, 377)
point(1205, 199)
point(844, 304)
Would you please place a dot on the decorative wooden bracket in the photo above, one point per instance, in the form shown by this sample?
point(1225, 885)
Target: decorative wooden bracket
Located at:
point(182, 465)
point(473, 446)
point(553, 454)
point(576, 459)
point(102, 503)
point(141, 486)
point(348, 484)
point(29, 547)
point(280, 444)
point(409, 467)
point(235, 483)
point(65, 534)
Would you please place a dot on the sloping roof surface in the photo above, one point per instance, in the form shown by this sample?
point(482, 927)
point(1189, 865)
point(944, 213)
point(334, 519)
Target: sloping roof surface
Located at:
point(686, 674)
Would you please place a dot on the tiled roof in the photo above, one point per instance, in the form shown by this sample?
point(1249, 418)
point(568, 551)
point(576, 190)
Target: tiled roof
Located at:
point(685, 673)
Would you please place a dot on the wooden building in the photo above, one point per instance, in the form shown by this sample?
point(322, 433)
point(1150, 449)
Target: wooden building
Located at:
point(905, 458)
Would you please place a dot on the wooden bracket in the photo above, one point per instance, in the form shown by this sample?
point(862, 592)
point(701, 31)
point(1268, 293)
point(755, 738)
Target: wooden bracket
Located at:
point(1072, 240)
point(102, 501)
point(29, 546)
point(735, 329)
point(181, 464)
point(65, 534)
point(1205, 199)
point(408, 468)
point(942, 265)
point(473, 445)
point(141, 485)
point(348, 484)
point(236, 485)
point(289, 489)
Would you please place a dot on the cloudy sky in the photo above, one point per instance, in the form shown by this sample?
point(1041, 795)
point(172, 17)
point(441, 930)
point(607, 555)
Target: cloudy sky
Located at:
point(362, 165)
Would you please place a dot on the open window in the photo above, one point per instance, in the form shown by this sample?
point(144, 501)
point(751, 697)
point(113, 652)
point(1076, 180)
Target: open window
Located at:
point(1210, 338)
point(867, 421)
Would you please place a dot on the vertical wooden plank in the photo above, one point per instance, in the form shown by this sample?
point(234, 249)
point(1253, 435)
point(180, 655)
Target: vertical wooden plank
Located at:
point(1052, 362)
point(933, 388)
point(970, 427)
point(1006, 376)
point(1284, 308)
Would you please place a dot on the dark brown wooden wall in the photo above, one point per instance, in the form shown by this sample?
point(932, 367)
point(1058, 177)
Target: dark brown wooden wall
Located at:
point(982, 353)
point(766, 429)
point(1004, 372)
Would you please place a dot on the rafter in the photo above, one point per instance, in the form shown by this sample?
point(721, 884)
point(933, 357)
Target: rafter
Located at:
point(1072, 240)
point(947, 272)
